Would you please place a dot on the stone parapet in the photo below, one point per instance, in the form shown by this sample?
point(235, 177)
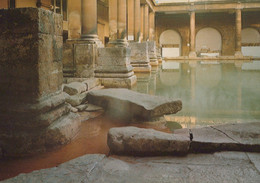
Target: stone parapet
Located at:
point(31, 103)
point(113, 67)
point(139, 57)
point(152, 53)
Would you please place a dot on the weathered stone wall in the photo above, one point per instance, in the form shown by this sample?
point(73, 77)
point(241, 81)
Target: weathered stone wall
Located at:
point(224, 22)
point(179, 23)
point(31, 51)
point(33, 113)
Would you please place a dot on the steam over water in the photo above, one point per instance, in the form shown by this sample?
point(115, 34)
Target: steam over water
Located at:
point(211, 92)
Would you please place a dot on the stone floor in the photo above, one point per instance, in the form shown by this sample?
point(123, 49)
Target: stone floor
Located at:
point(217, 167)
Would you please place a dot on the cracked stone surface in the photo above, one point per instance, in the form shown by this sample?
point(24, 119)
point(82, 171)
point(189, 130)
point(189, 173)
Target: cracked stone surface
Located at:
point(141, 142)
point(228, 137)
point(217, 167)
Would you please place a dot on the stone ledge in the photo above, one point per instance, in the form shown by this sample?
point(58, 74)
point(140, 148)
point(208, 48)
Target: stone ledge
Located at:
point(230, 137)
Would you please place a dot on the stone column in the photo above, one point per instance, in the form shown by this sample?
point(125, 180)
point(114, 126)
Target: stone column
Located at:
point(33, 112)
point(117, 20)
point(121, 23)
point(74, 19)
point(112, 21)
point(192, 35)
point(146, 22)
point(151, 26)
point(113, 63)
point(131, 19)
point(149, 33)
point(137, 20)
point(89, 20)
point(80, 52)
point(140, 57)
point(139, 51)
point(238, 52)
point(142, 23)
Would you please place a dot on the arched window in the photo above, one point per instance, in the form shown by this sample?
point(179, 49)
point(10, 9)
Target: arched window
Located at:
point(250, 39)
point(208, 42)
point(171, 43)
point(250, 36)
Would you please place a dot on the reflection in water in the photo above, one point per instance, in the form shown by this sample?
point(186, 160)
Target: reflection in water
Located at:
point(211, 92)
point(173, 126)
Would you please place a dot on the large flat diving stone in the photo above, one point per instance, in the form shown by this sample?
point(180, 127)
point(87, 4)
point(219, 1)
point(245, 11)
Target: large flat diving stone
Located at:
point(127, 104)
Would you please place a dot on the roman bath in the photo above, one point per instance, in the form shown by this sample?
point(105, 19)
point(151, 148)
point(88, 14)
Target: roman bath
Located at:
point(129, 91)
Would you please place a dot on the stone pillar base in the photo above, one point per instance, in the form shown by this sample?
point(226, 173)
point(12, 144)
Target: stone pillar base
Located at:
point(141, 68)
point(86, 40)
point(152, 51)
point(36, 127)
point(154, 62)
point(139, 57)
point(118, 43)
point(238, 54)
point(192, 54)
point(119, 82)
point(113, 67)
point(79, 58)
point(33, 112)
point(159, 55)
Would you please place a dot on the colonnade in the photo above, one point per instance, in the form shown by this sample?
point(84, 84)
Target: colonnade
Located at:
point(238, 52)
point(128, 21)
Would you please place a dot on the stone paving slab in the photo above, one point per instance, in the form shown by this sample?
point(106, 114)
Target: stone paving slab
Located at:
point(218, 167)
point(131, 105)
point(227, 137)
point(143, 142)
point(230, 137)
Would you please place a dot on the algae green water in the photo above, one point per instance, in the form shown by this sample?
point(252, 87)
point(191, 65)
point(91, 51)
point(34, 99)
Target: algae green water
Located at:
point(212, 92)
